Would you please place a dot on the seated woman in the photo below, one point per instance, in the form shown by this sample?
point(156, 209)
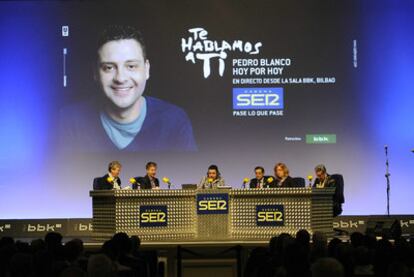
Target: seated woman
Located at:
point(283, 180)
point(212, 180)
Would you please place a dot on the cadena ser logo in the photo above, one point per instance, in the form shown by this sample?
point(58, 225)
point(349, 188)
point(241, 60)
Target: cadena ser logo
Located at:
point(212, 203)
point(153, 216)
point(270, 215)
point(197, 46)
point(257, 98)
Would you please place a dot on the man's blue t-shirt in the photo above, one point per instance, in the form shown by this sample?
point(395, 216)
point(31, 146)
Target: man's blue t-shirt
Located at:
point(122, 134)
point(166, 127)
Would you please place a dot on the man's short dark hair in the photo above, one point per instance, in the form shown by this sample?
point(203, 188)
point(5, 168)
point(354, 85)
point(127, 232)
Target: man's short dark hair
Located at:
point(214, 167)
point(118, 32)
point(150, 164)
point(259, 167)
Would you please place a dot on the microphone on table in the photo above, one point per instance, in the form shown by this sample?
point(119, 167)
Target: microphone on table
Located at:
point(167, 181)
point(133, 182)
point(210, 182)
point(310, 178)
point(269, 181)
point(245, 181)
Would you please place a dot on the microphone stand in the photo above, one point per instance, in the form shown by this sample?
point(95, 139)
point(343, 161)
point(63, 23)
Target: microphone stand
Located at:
point(387, 176)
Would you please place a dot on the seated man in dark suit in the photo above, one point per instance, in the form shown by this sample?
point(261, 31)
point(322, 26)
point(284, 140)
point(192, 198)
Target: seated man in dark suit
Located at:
point(324, 180)
point(149, 181)
point(110, 180)
point(261, 181)
point(282, 176)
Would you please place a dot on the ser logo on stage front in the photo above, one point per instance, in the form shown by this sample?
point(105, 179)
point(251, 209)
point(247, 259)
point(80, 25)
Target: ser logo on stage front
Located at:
point(153, 216)
point(198, 47)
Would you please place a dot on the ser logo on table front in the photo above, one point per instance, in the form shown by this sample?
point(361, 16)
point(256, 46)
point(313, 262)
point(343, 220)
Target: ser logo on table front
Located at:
point(153, 216)
point(212, 203)
point(270, 215)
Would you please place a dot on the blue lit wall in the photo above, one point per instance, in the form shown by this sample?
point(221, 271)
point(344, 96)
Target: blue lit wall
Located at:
point(387, 101)
point(28, 81)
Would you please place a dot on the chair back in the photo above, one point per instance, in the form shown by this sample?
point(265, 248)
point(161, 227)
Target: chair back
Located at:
point(299, 181)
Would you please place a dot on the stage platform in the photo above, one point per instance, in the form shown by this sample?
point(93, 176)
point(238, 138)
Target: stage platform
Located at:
point(82, 227)
point(183, 258)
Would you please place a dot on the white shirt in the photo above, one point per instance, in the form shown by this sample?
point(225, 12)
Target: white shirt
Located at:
point(115, 181)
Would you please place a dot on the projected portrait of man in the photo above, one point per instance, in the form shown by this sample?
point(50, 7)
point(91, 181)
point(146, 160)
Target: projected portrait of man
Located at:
point(123, 118)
